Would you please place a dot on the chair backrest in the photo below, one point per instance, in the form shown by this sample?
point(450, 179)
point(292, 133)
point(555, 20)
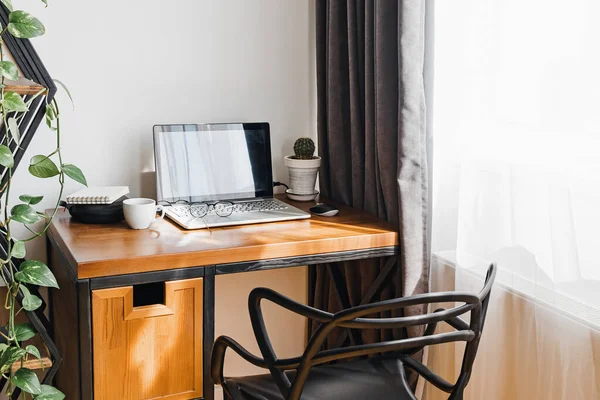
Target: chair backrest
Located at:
point(356, 318)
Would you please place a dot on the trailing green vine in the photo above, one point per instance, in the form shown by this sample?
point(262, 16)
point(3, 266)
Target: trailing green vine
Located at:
point(13, 107)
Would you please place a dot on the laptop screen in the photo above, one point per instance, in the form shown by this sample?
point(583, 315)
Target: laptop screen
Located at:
point(207, 162)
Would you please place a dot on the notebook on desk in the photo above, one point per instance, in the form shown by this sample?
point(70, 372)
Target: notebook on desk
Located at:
point(98, 195)
point(210, 175)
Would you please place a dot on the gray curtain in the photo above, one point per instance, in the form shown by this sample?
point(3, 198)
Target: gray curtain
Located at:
point(372, 137)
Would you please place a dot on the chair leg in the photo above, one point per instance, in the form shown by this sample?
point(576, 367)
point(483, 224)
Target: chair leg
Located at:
point(229, 396)
point(404, 380)
point(226, 396)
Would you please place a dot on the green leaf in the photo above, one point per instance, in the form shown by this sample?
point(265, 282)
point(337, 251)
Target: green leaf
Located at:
point(31, 349)
point(18, 249)
point(9, 356)
point(50, 116)
point(24, 332)
point(74, 173)
point(14, 102)
point(8, 4)
point(30, 301)
point(45, 2)
point(36, 273)
point(9, 70)
point(66, 89)
point(29, 199)
point(13, 127)
point(24, 214)
point(43, 167)
point(3, 347)
point(27, 381)
point(50, 393)
point(49, 124)
point(6, 157)
point(24, 25)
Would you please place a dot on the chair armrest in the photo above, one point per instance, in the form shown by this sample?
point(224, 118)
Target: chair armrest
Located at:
point(218, 357)
point(223, 342)
point(298, 308)
point(275, 366)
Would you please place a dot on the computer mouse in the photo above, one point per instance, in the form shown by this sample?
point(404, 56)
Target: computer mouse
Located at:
point(324, 210)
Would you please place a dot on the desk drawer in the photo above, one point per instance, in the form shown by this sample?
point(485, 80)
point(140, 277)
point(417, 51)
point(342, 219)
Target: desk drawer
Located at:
point(150, 351)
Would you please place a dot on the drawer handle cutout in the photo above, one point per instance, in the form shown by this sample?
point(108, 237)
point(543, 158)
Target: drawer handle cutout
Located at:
point(159, 298)
point(148, 294)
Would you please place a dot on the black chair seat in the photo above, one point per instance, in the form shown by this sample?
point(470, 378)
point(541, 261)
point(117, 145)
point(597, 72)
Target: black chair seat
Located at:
point(372, 379)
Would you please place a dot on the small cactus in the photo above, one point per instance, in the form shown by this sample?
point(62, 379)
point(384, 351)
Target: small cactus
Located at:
point(304, 149)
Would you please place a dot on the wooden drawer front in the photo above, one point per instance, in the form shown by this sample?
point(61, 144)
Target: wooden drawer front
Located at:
point(148, 352)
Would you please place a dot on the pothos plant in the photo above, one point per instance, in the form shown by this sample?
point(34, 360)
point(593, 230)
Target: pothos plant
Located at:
point(13, 107)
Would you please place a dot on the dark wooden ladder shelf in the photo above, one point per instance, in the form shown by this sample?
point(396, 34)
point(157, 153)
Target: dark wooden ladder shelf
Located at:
point(23, 87)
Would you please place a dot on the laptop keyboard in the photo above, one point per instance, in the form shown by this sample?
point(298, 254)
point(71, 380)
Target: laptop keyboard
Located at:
point(262, 205)
point(250, 206)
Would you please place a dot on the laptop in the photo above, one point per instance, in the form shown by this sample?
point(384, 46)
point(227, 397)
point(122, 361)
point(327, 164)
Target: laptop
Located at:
point(216, 164)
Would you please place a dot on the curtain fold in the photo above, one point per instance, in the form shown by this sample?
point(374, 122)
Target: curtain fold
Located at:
point(372, 138)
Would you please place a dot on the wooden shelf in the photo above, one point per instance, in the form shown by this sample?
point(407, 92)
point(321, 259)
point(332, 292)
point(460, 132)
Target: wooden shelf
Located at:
point(33, 364)
point(23, 86)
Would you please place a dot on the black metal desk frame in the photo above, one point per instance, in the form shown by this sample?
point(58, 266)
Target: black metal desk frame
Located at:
point(208, 273)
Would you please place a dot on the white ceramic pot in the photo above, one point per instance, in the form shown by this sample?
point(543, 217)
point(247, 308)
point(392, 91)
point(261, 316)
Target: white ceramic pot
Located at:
point(303, 174)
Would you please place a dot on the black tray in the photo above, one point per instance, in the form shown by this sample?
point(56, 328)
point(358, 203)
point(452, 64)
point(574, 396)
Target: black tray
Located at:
point(97, 213)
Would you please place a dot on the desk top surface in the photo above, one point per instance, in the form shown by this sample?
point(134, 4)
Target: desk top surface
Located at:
point(106, 250)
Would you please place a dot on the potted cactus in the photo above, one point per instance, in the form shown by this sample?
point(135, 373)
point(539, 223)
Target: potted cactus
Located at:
point(303, 167)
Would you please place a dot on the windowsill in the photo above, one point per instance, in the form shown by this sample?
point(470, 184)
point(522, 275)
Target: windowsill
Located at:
point(527, 289)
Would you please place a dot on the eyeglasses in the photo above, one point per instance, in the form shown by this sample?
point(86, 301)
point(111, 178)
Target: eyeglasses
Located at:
point(200, 209)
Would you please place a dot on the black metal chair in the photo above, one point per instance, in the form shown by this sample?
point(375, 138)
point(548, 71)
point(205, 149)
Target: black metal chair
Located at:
point(381, 377)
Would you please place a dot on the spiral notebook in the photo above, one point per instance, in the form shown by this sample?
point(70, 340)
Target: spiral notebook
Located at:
point(98, 195)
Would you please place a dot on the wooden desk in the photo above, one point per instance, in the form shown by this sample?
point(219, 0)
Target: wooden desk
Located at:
point(104, 269)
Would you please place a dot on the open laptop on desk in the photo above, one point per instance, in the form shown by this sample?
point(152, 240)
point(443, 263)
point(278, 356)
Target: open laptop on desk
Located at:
point(225, 168)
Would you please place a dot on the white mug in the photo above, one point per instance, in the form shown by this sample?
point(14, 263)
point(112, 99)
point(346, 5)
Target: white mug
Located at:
point(141, 213)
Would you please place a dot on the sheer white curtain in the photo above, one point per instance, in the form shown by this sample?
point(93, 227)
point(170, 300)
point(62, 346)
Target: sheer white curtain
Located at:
point(517, 181)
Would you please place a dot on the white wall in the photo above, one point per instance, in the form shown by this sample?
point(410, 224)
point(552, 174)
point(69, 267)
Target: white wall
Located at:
point(132, 64)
